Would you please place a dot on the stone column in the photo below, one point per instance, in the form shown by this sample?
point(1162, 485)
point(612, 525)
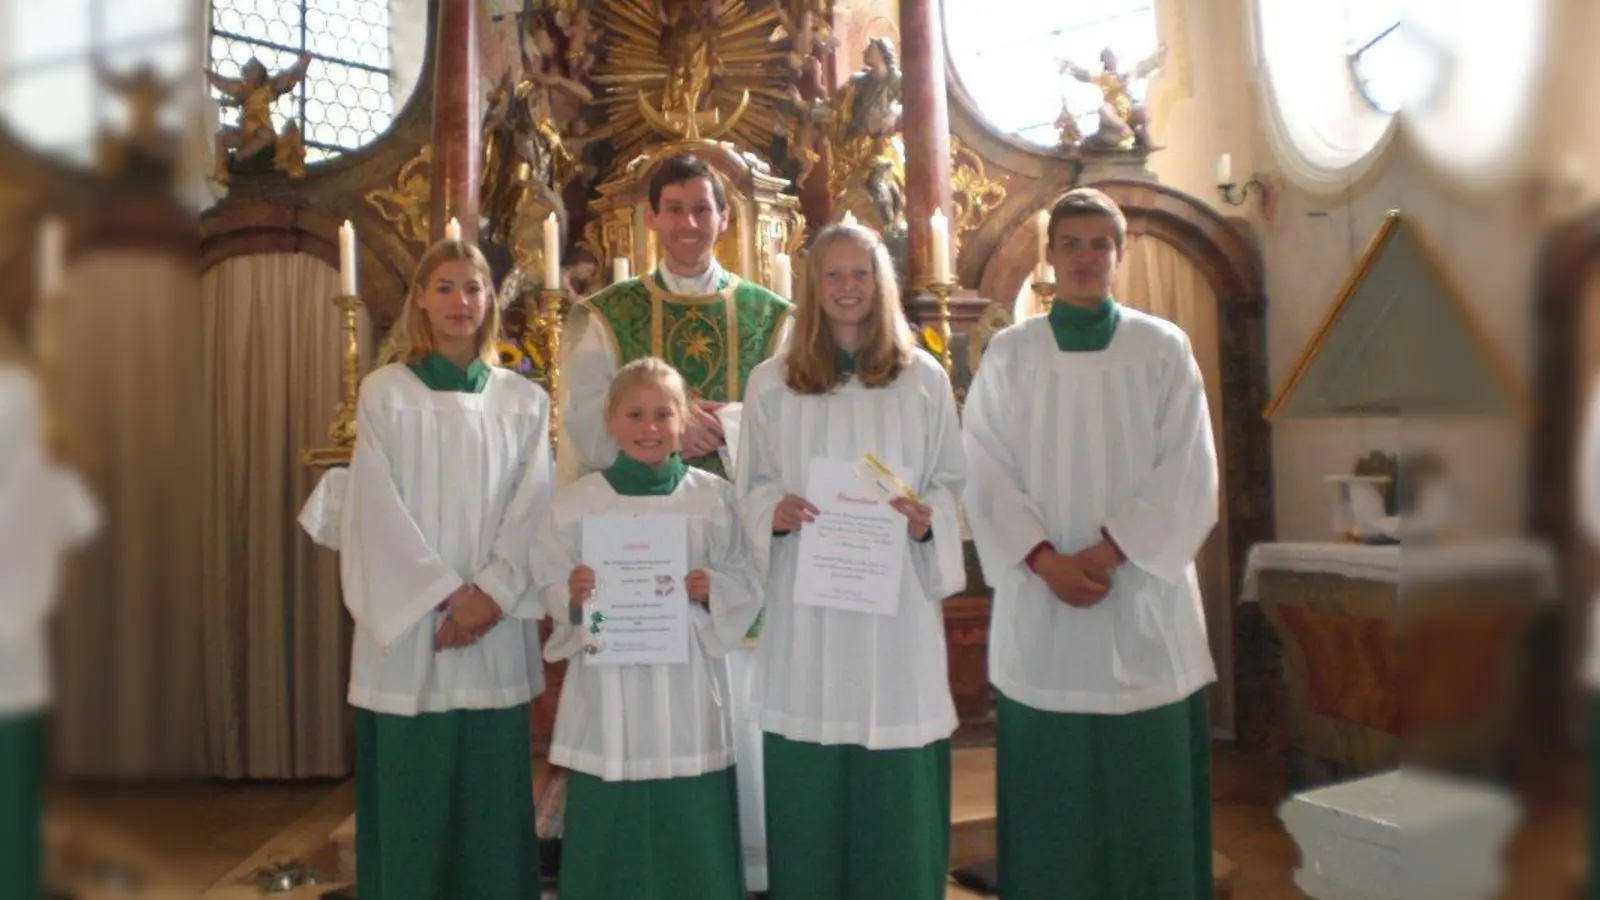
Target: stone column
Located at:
point(456, 151)
point(927, 126)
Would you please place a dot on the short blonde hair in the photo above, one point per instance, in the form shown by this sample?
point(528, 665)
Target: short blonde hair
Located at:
point(648, 370)
point(887, 342)
point(413, 335)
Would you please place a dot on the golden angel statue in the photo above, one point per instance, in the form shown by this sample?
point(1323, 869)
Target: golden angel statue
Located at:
point(1124, 124)
point(144, 145)
point(864, 139)
point(254, 92)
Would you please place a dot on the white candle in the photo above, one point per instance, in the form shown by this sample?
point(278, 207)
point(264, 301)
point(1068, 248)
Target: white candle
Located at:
point(1044, 273)
point(347, 258)
point(848, 219)
point(620, 270)
point(552, 252)
point(782, 276)
point(1225, 169)
point(1044, 234)
point(52, 250)
point(939, 227)
point(452, 229)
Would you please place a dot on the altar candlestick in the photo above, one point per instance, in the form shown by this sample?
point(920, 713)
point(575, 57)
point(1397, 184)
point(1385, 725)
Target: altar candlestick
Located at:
point(620, 270)
point(782, 276)
point(940, 229)
point(347, 259)
point(552, 253)
point(1044, 234)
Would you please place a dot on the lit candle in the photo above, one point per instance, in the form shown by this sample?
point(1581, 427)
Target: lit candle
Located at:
point(620, 270)
point(452, 229)
point(552, 252)
point(347, 259)
point(1044, 234)
point(939, 227)
point(1225, 169)
point(782, 276)
point(1044, 273)
point(52, 248)
point(848, 219)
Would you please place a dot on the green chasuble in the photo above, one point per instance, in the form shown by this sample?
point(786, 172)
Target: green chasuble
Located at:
point(1104, 807)
point(848, 823)
point(714, 341)
point(444, 805)
point(1080, 330)
point(440, 374)
point(22, 740)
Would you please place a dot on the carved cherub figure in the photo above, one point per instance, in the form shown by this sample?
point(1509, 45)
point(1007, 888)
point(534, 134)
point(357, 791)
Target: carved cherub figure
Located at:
point(253, 92)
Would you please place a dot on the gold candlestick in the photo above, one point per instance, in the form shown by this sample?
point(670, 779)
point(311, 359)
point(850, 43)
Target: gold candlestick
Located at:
point(941, 292)
point(1045, 294)
point(552, 317)
point(343, 428)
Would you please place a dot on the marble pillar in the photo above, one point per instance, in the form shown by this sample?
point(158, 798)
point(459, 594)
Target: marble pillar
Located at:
point(927, 127)
point(456, 151)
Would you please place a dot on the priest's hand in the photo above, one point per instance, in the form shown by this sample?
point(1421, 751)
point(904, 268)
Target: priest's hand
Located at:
point(792, 512)
point(702, 434)
point(475, 612)
point(699, 587)
point(1074, 581)
point(919, 516)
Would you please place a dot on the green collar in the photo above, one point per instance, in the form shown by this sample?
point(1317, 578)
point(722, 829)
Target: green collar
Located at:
point(844, 361)
point(440, 374)
point(1079, 330)
point(632, 478)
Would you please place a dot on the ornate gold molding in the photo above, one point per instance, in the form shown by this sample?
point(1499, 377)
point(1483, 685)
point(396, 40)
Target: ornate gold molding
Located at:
point(405, 205)
point(973, 194)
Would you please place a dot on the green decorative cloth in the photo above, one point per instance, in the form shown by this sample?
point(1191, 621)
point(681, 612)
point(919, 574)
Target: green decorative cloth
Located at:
point(444, 805)
point(1118, 807)
point(22, 776)
point(632, 478)
point(848, 823)
point(1080, 330)
point(714, 341)
point(660, 839)
point(440, 374)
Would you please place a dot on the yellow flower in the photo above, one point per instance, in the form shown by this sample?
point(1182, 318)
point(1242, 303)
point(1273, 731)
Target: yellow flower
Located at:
point(510, 353)
point(932, 340)
point(531, 345)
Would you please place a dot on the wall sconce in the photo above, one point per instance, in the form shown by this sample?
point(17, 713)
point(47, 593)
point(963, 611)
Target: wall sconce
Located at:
point(1235, 194)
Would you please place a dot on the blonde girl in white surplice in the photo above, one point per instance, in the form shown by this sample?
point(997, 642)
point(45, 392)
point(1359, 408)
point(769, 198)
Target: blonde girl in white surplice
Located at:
point(855, 707)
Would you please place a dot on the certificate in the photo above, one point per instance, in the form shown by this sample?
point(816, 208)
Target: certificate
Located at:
point(853, 556)
point(640, 611)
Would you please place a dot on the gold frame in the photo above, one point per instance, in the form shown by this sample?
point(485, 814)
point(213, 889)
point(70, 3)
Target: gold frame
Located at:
point(1392, 223)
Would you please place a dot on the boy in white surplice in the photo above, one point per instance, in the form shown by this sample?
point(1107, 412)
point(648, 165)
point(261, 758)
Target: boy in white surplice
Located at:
point(1093, 483)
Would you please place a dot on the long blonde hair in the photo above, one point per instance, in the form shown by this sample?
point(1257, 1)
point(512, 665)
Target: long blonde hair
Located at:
point(887, 340)
point(412, 336)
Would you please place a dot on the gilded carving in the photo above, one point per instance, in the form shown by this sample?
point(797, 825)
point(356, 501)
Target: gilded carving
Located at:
point(405, 204)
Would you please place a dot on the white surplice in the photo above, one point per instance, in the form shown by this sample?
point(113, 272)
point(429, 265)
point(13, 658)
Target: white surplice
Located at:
point(445, 489)
point(637, 722)
point(825, 675)
point(45, 510)
point(1589, 517)
point(589, 362)
point(1061, 445)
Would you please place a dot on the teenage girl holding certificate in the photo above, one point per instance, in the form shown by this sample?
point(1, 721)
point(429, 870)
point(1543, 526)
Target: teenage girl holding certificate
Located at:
point(652, 805)
point(855, 706)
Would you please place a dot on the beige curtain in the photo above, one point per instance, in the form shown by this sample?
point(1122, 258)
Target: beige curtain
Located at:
point(277, 638)
point(1158, 278)
point(127, 636)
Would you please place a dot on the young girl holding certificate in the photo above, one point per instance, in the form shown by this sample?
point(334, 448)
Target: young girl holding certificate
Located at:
point(450, 473)
point(652, 805)
point(855, 703)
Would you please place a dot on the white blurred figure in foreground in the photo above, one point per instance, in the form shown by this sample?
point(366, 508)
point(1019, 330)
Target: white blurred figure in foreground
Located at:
point(44, 511)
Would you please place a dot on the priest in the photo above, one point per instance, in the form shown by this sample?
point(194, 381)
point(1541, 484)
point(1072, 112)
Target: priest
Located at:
point(712, 326)
point(1092, 482)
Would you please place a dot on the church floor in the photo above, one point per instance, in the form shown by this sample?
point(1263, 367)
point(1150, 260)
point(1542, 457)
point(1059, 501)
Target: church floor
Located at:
point(207, 840)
